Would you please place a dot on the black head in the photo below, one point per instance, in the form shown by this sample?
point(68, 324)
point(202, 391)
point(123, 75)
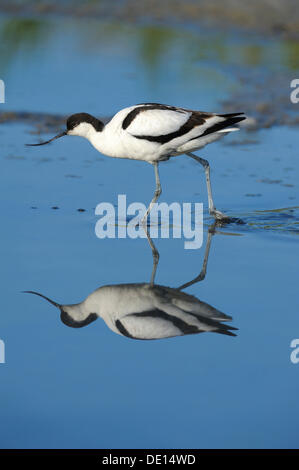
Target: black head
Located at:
point(75, 126)
point(69, 321)
point(75, 119)
point(66, 318)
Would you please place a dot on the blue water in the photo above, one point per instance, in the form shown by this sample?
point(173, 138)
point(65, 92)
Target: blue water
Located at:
point(64, 387)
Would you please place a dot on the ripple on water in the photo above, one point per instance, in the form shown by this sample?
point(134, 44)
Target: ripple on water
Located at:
point(283, 220)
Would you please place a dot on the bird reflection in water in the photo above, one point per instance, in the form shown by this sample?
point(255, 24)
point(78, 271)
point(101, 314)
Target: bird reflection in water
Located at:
point(147, 310)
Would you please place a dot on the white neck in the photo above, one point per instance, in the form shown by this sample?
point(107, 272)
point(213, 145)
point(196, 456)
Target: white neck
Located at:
point(84, 129)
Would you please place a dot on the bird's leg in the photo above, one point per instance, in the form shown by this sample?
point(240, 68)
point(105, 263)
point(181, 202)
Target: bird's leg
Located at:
point(203, 271)
point(212, 209)
point(157, 193)
point(155, 254)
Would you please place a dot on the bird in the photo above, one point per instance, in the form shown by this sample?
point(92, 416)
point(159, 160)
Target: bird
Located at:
point(144, 311)
point(148, 310)
point(154, 132)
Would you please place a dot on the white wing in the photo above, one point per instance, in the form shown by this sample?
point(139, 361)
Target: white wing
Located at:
point(155, 121)
point(152, 324)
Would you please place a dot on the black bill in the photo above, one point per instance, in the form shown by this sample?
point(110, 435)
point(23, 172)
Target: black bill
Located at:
point(48, 141)
point(43, 296)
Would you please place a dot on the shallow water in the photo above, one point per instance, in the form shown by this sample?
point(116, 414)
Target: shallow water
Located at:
point(89, 387)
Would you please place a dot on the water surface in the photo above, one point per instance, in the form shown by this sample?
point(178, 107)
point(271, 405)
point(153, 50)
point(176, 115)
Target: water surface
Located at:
point(65, 387)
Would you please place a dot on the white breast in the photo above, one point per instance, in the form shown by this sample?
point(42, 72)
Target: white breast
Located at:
point(116, 142)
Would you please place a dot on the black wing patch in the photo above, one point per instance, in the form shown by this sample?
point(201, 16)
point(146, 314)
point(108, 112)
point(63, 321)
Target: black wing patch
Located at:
point(196, 119)
point(231, 119)
point(123, 330)
point(221, 327)
point(184, 327)
point(147, 107)
point(181, 325)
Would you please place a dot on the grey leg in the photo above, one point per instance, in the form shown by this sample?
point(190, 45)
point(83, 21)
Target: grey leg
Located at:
point(203, 271)
point(155, 254)
point(157, 193)
point(212, 209)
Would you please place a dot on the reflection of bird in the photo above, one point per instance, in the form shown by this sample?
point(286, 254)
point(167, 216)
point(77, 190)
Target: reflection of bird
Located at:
point(148, 310)
point(154, 132)
point(144, 311)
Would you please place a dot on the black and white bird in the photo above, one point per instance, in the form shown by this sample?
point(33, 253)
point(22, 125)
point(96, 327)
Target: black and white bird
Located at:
point(148, 310)
point(145, 311)
point(154, 132)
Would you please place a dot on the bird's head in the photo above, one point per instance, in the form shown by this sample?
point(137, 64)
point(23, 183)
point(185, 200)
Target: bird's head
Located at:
point(71, 315)
point(80, 124)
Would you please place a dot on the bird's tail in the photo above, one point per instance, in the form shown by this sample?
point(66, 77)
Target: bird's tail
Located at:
point(223, 126)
